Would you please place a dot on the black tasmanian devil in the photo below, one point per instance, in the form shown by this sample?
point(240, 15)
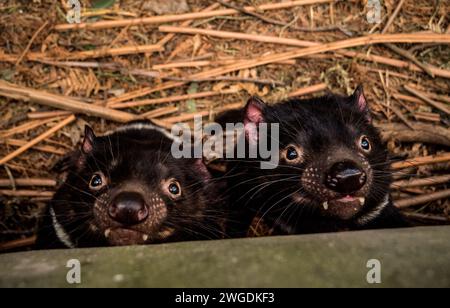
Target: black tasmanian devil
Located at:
point(333, 172)
point(125, 188)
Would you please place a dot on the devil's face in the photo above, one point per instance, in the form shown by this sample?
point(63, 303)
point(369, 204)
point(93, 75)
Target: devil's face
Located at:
point(126, 188)
point(332, 159)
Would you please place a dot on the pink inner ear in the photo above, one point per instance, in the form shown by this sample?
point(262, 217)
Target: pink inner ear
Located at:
point(254, 114)
point(87, 146)
point(362, 103)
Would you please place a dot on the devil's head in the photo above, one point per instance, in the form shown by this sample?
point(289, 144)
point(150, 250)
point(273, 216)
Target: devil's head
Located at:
point(126, 188)
point(331, 157)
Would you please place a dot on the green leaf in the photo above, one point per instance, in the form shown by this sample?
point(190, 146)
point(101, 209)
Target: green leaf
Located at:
point(102, 4)
point(193, 88)
point(7, 75)
point(191, 105)
point(88, 47)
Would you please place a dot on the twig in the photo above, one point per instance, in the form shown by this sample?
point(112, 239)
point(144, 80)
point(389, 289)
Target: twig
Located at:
point(420, 161)
point(415, 100)
point(171, 99)
point(180, 65)
point(426, 217)
point(395, 63)
point(423, 133)
point(62, 102)
point(439, 97)
point(10, 177)
point(424, 97)
point(119, 36)
point(121, 68)
point(308, 90)
point(17, 232)
point(263, 60)
point(159, 112)
point(162, 123)
point(27, 126)
point(404, 203)
point(84, 64)
point(47, 114)
point(407, 98)
point(392, 107)
point(239, 36)
point(401, 116)
point(59, 143)
point(402, 52)
point(154, 74)
point(144, 91)
point(36, 140)
point(378, 71)
point(42, 27)
point(190, 116)
point(44, 148)
point(427, 116)
point(394, 14)
point(120, 51)
point(26, 242)
point(14, 120)
point(78, 55)
point(434, 180)
point(354, 42)
point(180, 17)
point(228, 78)
point(281, 23)
point(26, 193)
point(406, 54)
point(186, 23)
point(205, 63)
point(28, 182)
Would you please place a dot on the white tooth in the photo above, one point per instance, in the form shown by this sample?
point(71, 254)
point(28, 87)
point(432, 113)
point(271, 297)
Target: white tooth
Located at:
point(145, 237)
point(107, 232)
point(362, 200)
point(325, 205)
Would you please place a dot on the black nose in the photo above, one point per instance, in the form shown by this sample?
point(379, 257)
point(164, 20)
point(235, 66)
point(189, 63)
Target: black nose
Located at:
point(345, 177)
point(128, 208)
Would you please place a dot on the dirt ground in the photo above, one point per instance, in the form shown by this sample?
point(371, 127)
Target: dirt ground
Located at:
point(140, 70)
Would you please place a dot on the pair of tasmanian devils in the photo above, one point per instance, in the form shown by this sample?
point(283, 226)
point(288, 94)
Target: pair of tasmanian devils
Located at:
point(126, 188)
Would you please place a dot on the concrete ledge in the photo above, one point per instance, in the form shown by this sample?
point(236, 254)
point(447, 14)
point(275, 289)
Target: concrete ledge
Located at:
point(418, 257)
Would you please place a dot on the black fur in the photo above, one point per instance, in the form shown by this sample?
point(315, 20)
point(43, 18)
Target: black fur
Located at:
point(136, 160)
point(289, 198)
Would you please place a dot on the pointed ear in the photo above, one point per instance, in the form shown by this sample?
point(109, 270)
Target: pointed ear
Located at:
point(358, 98)
point(254, 110)
point(88, 142)
point(253, 116)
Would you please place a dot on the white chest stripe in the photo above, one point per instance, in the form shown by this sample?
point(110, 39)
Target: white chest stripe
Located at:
point(374, 213)
point(60, 232)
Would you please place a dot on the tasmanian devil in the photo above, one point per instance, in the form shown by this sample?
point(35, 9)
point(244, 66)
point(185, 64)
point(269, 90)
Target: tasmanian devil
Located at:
point(125, 188)
point(333, 172)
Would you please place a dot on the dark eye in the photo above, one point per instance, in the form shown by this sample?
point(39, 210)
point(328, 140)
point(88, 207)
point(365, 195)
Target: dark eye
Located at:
point(97, 181)
point(365, 144)
point(291, 153)
point(174, 189)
